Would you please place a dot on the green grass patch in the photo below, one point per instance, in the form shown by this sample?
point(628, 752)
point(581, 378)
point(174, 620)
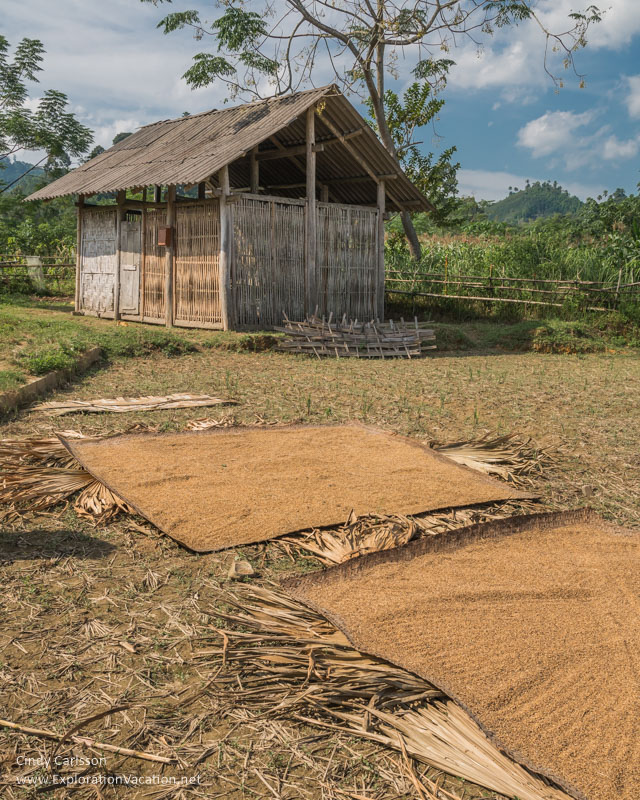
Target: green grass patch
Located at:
point(11, 379)
point(40, 336)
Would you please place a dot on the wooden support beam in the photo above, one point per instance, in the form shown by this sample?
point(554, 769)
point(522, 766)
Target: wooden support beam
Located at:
point(254, 178)
point(357, 157)
point(334, 181)
point(201, 190)
point(169, 256)
point(157, 194)
point(120, 212)
point(310, 265)
point(287, 152)
point(380, 249)
point(78, 296)
point(225, 249)
point(324, 193)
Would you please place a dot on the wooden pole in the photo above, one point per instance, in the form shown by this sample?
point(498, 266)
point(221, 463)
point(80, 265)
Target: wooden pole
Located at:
point(120, 200)
point(170, 250)
point(201, 191)
point(78, 295)
point(380, 264)
point(324, 193)
point(225, 249)
point(157, 194)
point(254, 183)
point(310, 265)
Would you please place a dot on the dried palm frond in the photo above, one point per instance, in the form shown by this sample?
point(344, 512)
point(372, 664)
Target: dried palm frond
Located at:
point(280, 658)
point(39, 473)
point(512, 457)
point(228, 421)
point(372, 533)
point(120, 405)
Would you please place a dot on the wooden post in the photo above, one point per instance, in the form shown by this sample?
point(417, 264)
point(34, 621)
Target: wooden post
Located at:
point(324, 193)
point(144, 194)
point(78, 295)
point(225, 249)
point(201, 191)
point(380, 265)
point(170, 250)
point(120, 198)
point(254, 184)
point(157, 194)
point(310, 265)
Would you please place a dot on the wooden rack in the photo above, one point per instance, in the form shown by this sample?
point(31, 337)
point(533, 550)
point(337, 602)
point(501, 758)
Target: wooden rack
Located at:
point(353, 339)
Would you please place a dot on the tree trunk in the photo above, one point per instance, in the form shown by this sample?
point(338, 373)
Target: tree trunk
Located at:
point(412, 237)
point(377, 94)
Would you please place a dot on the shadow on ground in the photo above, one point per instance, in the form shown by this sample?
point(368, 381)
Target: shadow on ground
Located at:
point(47, 544)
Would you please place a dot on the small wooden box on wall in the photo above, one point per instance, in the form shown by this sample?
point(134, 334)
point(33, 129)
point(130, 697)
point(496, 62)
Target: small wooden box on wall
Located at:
point(164, 237)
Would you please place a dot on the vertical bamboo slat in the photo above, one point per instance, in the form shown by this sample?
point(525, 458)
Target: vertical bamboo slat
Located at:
point(168, 288)
point(196, 264)
point(224, 262)
point(79, 253)
point(116, 289)
point(380, 254)
point(153, 280)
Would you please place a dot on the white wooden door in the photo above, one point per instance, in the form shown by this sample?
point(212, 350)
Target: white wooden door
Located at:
point(130, 246)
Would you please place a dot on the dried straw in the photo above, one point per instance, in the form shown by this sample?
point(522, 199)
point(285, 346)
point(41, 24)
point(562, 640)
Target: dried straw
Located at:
point(282, 659)
point(120, 405)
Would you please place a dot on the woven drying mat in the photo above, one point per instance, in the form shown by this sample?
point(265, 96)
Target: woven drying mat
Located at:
point(532, 624)
point(224, 487)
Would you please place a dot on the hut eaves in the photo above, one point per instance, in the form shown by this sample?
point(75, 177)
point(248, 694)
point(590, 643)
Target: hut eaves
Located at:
point(191, 150)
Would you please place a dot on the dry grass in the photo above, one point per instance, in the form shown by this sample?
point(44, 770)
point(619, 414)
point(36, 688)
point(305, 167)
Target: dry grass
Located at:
point(96, 618)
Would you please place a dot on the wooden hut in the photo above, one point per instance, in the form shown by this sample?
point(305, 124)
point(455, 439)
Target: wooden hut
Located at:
point(285, 215)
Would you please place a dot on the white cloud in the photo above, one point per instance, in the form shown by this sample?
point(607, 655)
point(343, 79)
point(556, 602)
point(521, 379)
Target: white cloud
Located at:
point(488, 185)
point(621, 22)
point(552, 132)
point(633, 98)
point(514, 56)
point(615, 149)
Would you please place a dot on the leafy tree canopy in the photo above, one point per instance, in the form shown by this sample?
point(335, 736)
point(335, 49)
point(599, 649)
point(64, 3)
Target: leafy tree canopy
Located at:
point(266, 48)
point(51, 126)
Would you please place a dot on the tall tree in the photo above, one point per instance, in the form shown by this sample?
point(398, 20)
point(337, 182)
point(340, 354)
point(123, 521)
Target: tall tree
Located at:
point(273, 48)
point(51, 127)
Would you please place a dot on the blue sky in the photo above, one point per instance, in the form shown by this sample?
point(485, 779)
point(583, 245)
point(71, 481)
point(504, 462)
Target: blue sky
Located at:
point(502, 111)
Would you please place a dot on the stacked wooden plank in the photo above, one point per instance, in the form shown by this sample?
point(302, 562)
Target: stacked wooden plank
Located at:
point(353, 339)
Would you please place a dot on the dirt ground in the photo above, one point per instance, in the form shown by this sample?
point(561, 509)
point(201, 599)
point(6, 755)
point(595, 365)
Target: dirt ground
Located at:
point(100, 618)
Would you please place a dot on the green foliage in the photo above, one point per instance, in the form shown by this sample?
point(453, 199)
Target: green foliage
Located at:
point(436, 178)
point(51, 127)
point(535, 200)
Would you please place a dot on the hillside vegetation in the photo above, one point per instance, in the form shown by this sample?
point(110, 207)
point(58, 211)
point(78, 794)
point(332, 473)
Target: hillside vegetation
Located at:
point(534, 201)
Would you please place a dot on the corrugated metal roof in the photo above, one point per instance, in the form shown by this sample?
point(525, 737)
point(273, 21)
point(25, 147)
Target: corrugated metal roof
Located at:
point(191, 150)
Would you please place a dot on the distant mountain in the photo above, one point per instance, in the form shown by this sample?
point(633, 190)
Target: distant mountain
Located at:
point(11, 170)
point(534, 201)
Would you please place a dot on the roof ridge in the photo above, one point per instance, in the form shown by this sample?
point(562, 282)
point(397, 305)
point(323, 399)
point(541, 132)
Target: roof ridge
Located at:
point(272, 99)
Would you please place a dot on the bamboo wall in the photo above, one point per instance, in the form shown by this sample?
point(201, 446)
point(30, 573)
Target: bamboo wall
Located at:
point(346, 261)
point(98, 259)
point(267, 272)
point(267, 263)
point(197, 250)
point(153, 265)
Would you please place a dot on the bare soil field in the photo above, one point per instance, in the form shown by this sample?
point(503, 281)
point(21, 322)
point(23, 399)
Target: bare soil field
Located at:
point(110, 632)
